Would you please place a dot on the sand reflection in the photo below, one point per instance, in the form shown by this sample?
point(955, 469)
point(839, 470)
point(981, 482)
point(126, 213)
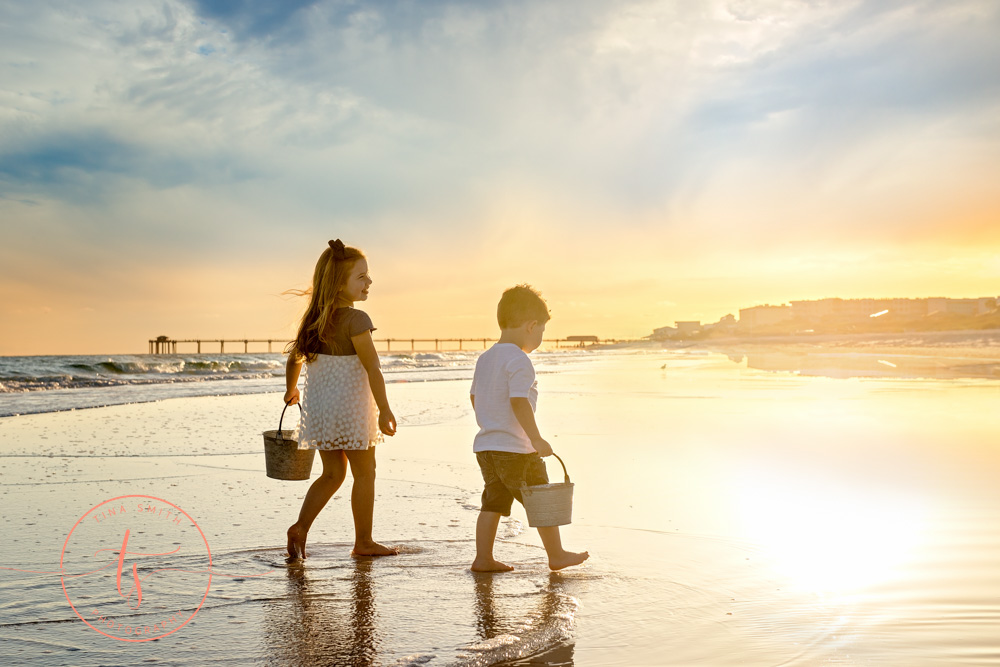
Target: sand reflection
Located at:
point(849, 363)
point(511, 631)
point(317, 625)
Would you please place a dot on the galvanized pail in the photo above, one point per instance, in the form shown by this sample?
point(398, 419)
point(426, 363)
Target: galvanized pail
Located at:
point(549, 504)
point(282, 456)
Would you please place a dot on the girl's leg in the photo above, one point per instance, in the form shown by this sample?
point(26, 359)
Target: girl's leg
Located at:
point(318, 495)
point(363, 504)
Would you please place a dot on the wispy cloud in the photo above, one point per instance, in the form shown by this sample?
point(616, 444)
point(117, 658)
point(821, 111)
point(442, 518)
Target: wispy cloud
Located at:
point(689, 132)
point(633, 101)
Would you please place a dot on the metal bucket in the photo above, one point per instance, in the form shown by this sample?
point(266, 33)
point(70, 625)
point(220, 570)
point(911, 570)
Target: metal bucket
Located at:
point(549, 504)
point(282, 456)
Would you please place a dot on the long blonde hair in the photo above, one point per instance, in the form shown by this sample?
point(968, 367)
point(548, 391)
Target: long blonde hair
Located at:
point(332, 270)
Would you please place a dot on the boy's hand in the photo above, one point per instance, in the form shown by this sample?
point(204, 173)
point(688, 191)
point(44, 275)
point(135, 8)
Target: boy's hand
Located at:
point(292, 396)
point(543, 448)
point(387, 422)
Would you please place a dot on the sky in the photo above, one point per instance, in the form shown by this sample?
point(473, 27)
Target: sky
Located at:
point(174, 167)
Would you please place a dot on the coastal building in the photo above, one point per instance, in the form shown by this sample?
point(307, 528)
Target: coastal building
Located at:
point(759, 316)
point(662, 333)
point(908, 309)
point(857, 309)
point(688, 328)
point(979, 306)
point(725, 325)
point(935, 313)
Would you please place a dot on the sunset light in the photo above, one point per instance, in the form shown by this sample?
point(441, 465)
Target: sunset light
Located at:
point(642, 163)
point(824, 537)
point(572, 333)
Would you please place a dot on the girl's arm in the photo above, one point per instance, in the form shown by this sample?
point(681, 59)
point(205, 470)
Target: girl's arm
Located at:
point(365, 347)
point(292, 368)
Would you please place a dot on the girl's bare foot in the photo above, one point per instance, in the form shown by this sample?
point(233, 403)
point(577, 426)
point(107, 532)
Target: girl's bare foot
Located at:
point(567, 559)
point(296, 543)
point(490, 565)
point(373, 549)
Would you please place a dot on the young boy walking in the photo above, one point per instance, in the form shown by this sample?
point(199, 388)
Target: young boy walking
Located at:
point(508, 446)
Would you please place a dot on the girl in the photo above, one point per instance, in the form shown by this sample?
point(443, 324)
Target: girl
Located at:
point(344, 406)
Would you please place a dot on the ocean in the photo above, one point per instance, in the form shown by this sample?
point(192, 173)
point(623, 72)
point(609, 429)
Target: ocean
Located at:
point(33, 384)
point(753, 504)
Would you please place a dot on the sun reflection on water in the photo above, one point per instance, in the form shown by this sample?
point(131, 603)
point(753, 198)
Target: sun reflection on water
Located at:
point(826, 537)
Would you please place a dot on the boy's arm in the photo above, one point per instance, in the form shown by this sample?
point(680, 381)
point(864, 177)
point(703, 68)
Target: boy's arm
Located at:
point(526, 418)
point(365, 347)
point(292, 368)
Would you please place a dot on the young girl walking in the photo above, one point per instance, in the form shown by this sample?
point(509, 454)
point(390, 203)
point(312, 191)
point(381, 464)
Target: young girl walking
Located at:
point(344, 406)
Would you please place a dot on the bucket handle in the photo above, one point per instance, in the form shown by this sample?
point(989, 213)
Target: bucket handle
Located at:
point(282, 418)
point(565, 474)
point(524, 485)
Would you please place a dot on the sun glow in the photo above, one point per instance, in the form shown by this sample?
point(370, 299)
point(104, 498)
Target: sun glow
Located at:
point(826, 537)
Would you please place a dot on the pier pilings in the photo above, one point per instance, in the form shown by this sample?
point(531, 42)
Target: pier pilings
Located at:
point(167, 345)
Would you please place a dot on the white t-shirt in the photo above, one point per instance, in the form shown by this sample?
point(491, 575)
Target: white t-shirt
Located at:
point(503, 372)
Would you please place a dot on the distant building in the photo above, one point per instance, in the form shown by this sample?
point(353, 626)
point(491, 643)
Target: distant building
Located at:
point(908, 309)
point(979, 306)
point(663, 333)
point(843, 315)
point(760, 316)
point(857, 309)
point(689, 328)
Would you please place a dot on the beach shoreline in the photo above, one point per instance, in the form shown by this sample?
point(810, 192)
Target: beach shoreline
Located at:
point(205, 454)
point(735, 516)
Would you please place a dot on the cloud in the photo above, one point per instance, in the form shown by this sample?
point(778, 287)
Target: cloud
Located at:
point(631, 105)
point(85, 165)
point(253, 18)
point(684, 136)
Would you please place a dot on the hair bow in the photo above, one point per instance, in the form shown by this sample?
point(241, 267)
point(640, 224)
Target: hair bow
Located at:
point(338, 249)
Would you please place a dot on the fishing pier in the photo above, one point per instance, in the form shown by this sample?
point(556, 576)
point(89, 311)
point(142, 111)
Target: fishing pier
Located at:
point(167, 345)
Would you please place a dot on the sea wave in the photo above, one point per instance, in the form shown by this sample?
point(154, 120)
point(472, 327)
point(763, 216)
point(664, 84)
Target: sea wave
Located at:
point(21, 374)
point(54, 383)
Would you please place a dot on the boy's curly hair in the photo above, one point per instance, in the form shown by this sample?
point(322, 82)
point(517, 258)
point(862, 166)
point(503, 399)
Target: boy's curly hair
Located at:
point(521, 304)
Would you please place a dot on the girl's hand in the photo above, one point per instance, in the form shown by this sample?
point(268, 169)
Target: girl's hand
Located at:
point(387, 422)
point(292, 396)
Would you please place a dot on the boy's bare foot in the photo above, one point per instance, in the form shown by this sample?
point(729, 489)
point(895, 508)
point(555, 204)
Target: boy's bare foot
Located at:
point(296, 543)
point(373, 549)
point(490, 565)
point(567, 559)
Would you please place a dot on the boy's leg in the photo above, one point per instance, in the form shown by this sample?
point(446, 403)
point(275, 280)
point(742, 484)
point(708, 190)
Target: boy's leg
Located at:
point(363, 504)
point(532, 472)
point(486, 533)
point(496, 503)
point(559, 557)
point(318, 495)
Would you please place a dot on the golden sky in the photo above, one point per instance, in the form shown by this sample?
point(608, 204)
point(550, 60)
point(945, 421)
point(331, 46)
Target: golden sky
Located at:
point(173, 167)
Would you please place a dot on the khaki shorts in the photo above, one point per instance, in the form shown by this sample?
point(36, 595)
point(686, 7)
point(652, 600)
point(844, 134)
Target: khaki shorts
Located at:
point(503, 474)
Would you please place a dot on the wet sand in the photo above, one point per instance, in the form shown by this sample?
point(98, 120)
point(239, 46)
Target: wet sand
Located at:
point(735, 516)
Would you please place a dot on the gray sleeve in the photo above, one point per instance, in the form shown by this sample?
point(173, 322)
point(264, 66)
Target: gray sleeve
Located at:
point(360, 323)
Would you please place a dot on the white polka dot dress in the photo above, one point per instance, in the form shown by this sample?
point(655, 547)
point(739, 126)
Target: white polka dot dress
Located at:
point(338, 409)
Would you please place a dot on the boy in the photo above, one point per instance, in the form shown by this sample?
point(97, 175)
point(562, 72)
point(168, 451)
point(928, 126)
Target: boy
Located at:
point(508, 445)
